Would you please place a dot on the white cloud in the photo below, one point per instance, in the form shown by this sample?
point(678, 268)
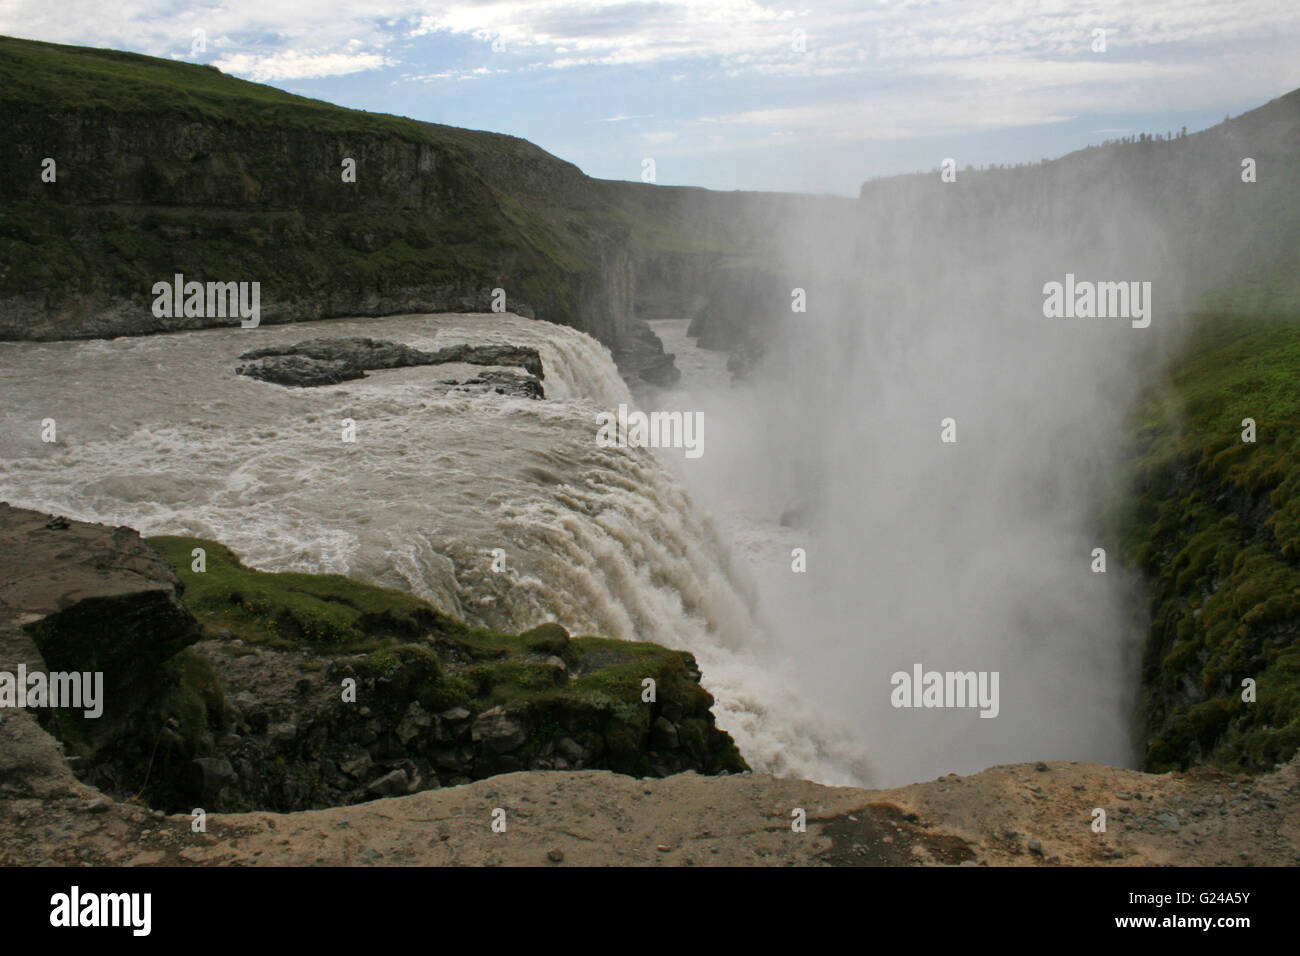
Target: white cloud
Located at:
point(868, 70)
point(477, 73)
point(260, 39)
point(291, 65)
point(739, 34)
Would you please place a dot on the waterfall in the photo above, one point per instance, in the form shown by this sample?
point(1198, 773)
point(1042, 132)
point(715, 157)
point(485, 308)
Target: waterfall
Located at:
point(158, 433)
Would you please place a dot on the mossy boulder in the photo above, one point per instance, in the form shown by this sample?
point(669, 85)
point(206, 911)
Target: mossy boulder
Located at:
point(548, 638)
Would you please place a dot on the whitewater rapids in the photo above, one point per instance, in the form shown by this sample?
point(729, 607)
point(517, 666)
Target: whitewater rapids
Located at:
point(158, 433)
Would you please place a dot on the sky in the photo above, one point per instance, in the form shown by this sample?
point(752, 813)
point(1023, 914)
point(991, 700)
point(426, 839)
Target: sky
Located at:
point(737, 94)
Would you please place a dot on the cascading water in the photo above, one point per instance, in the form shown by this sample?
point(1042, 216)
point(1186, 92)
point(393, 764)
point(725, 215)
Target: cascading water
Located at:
point(942, 449)
point(158, 433)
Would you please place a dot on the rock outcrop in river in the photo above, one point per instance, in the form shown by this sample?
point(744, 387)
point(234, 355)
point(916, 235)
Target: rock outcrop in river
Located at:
point(330, 361)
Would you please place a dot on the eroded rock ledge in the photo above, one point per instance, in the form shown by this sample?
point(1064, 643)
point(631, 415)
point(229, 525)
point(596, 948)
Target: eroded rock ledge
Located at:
point(229, 688)
point(330, 361)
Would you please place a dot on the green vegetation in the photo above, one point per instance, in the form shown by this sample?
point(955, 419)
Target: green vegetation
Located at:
point(45, 74)
point(320, 611)
point(1215, 525)
point(219, 178)
point(407, 651)
point(194, 700)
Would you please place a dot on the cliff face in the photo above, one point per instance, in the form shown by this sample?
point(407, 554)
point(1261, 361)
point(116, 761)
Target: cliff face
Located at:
point(1214, 522)
point(245, 690)
point(162, 168)
point(125, 171)
point(140, 198)
point(85, 598)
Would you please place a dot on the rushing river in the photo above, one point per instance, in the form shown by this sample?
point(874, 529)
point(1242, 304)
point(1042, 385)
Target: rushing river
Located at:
point(158, 433)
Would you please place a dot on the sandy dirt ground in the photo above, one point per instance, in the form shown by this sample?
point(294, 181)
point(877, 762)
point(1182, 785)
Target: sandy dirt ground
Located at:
point(1015, 815)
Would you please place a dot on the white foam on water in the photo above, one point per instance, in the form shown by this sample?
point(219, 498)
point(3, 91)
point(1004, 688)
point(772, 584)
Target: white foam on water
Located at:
point(158, 433)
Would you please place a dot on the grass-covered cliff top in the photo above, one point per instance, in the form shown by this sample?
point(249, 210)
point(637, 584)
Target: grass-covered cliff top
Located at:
point(202, 173)
point(109, 83)
point(419, 653)
point(56, 75)
point(1216, 527)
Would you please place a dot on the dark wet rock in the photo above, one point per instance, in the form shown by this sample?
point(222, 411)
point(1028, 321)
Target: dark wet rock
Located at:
point(501, 382)
point(661, 370)
point(516, 355)
point(641, 357)
point(330, 361)
point(499, 731)
point(211, 775)
point(300, 371)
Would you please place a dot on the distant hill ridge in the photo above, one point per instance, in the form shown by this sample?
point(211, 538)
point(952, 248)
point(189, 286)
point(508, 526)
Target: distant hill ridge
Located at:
point(166, 167)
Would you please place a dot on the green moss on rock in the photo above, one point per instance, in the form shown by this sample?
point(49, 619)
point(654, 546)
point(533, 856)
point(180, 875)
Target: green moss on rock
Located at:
point(548, 638)
point(193, 705)
point(292, 609)
point(590, 690)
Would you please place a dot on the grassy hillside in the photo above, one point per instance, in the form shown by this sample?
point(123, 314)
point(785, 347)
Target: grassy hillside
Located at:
point(1236, 242)
point(167, 167)
point(1215, 526)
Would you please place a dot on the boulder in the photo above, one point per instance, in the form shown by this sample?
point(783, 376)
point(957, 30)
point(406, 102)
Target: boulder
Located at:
point(356, 762)
point(663, 734)
point(210, 775)
point(573, 751)
point(391, 784)
point(498, 731)
point(415, 723)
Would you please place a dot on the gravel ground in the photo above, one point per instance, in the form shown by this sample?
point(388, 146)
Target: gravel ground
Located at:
point(1015, 815)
